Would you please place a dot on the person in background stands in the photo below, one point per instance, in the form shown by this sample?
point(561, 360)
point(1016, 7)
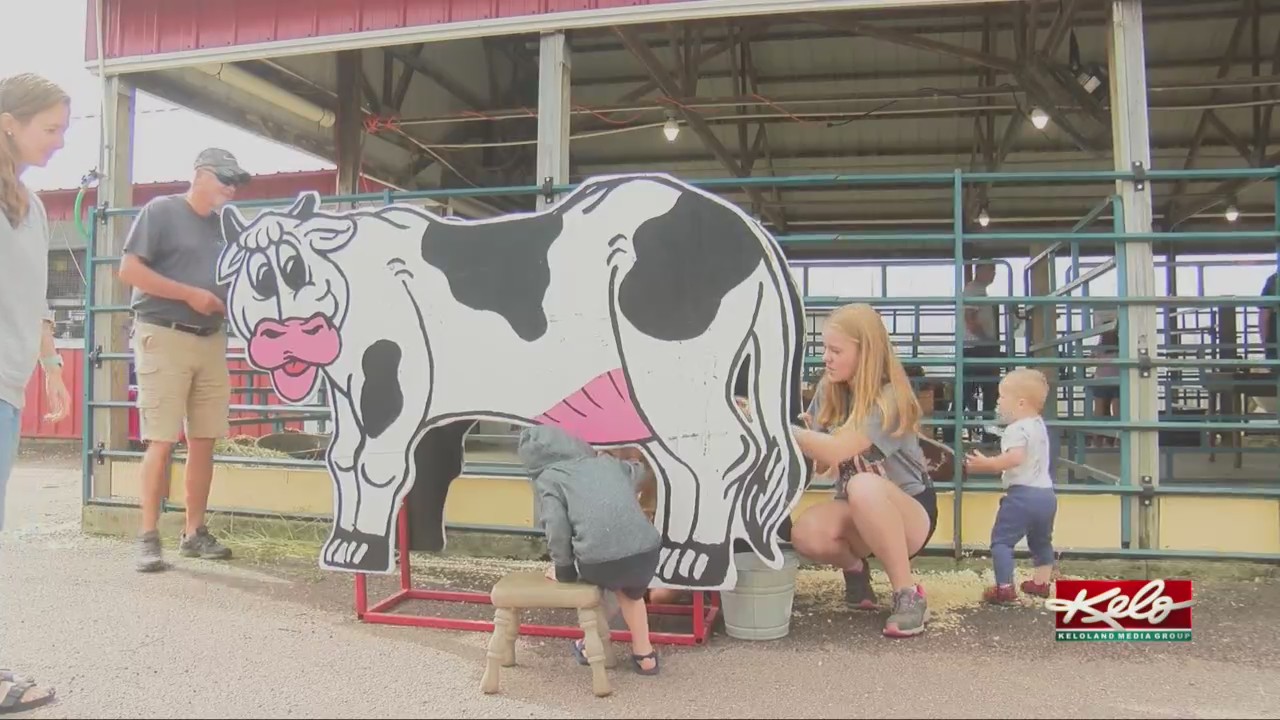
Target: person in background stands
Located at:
point(1106, 394)
point(981, 340)
point(180, 346)
point(34, 114)
point(1267, 321)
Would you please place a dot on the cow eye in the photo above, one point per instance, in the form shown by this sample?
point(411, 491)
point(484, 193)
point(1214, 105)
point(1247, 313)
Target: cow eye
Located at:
point(292, 268)
point(262, 277)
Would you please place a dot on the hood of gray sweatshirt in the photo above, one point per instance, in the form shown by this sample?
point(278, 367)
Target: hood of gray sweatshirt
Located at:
point(588, 505)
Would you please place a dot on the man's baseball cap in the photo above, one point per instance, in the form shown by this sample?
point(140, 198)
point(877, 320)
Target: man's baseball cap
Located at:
point(224, 165)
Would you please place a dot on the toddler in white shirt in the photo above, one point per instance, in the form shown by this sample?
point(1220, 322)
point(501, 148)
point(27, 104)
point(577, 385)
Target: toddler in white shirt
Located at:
point(1030, 503)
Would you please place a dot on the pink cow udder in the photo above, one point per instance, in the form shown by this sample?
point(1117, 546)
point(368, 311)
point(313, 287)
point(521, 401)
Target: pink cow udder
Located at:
point(602, 412)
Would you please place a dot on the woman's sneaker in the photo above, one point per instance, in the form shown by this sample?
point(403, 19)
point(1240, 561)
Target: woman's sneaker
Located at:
point(858, 593)
point(910, 613)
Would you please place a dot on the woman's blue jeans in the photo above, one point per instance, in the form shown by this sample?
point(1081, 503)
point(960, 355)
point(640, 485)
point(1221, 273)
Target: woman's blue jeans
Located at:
point(10, 430)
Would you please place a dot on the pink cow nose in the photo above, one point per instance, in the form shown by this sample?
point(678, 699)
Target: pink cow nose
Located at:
point(304, 341)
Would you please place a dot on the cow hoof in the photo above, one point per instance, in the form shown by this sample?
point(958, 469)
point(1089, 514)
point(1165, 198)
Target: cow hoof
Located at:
point(354, 550)
point(693, 564)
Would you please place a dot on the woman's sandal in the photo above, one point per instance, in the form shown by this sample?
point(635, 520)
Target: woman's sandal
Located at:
point(637, 659)
point(18, 693)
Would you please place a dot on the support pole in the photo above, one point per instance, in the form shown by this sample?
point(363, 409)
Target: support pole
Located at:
point(553, 112)
point(110, 426)
point(349, 129)
point(1126, 58)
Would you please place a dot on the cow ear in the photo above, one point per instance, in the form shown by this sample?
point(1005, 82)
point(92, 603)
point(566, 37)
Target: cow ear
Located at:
point(232, 225)
point(229, 262)
point(305, 206)
point(327, 234)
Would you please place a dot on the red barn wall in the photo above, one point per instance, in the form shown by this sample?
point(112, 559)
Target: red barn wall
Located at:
point(154, 27)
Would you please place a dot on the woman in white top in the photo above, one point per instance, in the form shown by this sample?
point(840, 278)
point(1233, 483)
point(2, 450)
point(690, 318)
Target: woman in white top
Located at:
point(34, 114)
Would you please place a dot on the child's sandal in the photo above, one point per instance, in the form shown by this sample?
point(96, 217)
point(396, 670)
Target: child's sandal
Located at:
point(580, 652)
point(638, 659)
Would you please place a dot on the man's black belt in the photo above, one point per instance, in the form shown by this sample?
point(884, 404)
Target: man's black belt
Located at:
point(182, 327)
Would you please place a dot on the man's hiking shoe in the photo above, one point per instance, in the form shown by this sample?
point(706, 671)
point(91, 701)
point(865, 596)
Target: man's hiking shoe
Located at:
point(203, 545)
point(150, 558)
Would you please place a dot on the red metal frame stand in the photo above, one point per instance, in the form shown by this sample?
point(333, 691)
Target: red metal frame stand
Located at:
point(703, 610)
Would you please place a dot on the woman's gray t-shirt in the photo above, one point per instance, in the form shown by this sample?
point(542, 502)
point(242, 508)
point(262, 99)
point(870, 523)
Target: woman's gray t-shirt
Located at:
point(904, 464)
point(24, 283)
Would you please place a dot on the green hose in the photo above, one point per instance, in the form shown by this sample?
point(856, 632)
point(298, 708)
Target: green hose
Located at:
point(88, 180)
point(84, 230)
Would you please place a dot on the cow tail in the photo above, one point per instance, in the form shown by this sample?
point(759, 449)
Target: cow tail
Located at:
point(777, 348)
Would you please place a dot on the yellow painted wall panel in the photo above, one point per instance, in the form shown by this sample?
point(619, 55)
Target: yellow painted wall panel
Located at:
point(507, 502)
point(1220, 524)
point(1084, 521)
point(126, 480)
point(977, 515)
point(1088, 521)
point(943, 534)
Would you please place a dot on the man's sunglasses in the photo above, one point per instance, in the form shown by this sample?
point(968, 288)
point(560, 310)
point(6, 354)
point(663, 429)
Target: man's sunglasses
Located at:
point(230, 179)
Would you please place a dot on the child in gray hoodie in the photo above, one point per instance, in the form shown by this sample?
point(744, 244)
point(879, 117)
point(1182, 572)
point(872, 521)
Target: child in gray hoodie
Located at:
point(595, 528)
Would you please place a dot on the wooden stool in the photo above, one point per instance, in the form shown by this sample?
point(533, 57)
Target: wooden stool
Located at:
point(524, 590)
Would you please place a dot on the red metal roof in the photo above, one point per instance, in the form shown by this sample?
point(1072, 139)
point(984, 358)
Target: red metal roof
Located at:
point(153, 27)
point(60, 204)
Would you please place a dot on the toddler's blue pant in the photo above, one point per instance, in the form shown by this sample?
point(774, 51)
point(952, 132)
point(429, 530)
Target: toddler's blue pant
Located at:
point(1024, 511)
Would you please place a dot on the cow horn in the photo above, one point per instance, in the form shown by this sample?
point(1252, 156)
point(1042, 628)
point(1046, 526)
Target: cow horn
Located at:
point(305, 206)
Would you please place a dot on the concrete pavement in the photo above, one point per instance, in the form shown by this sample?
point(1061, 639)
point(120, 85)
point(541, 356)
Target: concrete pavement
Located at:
point(244, 639)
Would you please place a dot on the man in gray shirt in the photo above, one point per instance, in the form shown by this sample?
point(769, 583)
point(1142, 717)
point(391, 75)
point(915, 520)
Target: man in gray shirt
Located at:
point(180, 345)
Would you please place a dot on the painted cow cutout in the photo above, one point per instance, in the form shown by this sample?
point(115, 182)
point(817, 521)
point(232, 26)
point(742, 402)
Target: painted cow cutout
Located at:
point(625, 313)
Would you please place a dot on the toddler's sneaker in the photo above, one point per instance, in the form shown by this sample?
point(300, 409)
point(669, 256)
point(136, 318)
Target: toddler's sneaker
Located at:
point(1000, 595)
point(858, 593)
point(910, 613)
point(1030, 587)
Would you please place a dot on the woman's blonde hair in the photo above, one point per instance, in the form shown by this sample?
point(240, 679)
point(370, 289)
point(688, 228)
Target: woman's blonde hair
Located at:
point(23, 97)
point(850, 403)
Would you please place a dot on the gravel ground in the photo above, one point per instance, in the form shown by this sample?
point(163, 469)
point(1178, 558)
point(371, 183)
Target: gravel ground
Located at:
point(247, 639)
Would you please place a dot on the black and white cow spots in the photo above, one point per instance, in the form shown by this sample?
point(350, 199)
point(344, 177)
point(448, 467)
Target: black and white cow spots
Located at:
point(686, 261)
point(381, 400)
point(501, 267)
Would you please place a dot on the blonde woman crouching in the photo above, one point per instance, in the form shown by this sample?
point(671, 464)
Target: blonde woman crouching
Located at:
point(865, 419)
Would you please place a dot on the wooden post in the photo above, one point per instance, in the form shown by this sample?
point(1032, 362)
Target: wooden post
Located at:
point(349, 128)
point(111, 329)
point(1126, 59)
point(553, 112)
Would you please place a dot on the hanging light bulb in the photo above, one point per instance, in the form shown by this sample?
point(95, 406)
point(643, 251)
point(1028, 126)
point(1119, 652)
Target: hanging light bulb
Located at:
point(983, 218)
point(1039, 118)
point(1233, 213)
point(671, 129)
